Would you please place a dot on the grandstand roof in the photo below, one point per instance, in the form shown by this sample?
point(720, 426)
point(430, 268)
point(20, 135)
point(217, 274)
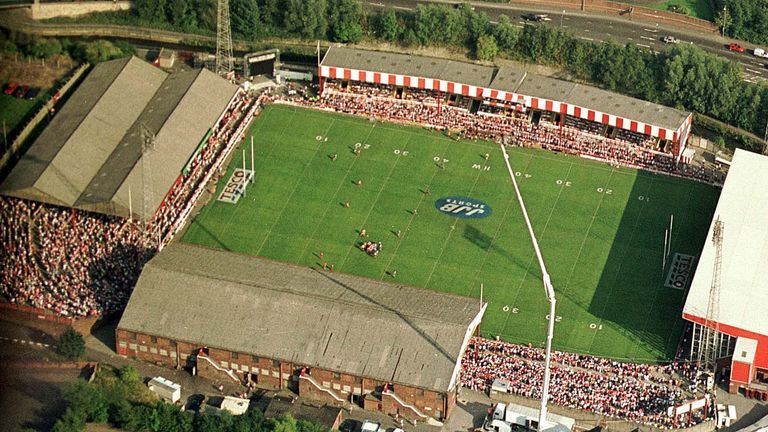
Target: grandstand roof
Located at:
point(403, 64)
point(91, 150)
point(513, 79)
point(742, 208)
point(335, 321)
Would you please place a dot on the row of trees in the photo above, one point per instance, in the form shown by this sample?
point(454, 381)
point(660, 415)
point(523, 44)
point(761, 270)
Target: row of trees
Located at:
point(121, 400)
point(681, 76)
point(744, 19)
point(43, 48)
point(337, 20)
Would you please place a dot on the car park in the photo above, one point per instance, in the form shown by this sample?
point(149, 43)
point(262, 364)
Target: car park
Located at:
point(735, 47)
point(670, 40)
point(21, 91)
point(10, 88)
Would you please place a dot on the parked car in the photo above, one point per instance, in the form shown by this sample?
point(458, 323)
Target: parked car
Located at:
point(10, 88)
point(370, 426)
point(33, 92)
point(21, 91)
point(535, 17)
point(735, 47)
point(759, 52)
point(670, 40)
point(349, 425)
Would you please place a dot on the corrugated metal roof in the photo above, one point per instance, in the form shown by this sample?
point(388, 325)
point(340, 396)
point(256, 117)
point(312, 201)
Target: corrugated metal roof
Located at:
point(743, 208)
point(403, 64)
point(91, 151)
point(513, 79)
point(328, 320)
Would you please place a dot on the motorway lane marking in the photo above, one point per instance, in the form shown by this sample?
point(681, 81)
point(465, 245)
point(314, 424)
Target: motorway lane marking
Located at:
point(402, 8)
point(644, 46)
point(651, 30)
point(586, 38)
point(754, 71)
point(647, 38)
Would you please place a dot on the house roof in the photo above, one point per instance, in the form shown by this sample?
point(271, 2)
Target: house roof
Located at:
point(742, 208)
point(333, 321)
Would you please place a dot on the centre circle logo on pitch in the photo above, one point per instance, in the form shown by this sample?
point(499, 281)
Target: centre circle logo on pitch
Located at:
point(463, 207)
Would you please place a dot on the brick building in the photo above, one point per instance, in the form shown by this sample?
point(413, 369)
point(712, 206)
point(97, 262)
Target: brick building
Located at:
point(328, 336)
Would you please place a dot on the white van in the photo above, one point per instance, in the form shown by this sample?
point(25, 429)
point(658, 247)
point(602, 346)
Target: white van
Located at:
point(759, 52)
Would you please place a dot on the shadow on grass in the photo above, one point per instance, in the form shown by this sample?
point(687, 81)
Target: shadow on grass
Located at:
point(639, 306)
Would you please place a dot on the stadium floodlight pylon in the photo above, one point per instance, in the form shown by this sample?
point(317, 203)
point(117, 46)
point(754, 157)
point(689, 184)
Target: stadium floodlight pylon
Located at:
point(224, 64)
point(549, 290)
point(709, 345)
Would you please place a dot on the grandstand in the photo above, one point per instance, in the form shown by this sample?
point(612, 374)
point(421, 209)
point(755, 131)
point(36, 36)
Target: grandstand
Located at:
point(90, 155)
point(744, 288)
point(514, 88)
point(132, 143)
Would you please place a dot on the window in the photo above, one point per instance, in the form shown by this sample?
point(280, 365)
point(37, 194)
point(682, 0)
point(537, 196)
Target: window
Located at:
point(275, 363)
point(173, 344)
point(254, 359)
point(234, 356)
point(153, 339)
point(336, 376)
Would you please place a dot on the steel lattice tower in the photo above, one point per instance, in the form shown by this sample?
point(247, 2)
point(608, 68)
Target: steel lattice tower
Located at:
point(709, 349)
point(223, 40)
point(147, 148)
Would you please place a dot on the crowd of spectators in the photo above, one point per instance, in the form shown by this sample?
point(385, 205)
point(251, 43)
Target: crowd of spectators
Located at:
point(639, 393)
point(68, 261)
point(77, 263)
point(501, 123)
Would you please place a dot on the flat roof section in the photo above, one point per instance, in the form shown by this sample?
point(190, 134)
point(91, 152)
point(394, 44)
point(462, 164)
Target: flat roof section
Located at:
point(404, 64)
point(742, 208)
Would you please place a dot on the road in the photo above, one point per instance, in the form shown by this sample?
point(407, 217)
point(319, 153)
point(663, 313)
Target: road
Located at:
point(620, 29)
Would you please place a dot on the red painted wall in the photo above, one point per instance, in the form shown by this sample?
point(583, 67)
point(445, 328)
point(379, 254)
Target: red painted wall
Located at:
point(761, 356)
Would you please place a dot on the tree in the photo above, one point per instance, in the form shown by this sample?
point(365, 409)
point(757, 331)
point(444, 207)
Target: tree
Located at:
point(284, 424)
point(122, 415)
point(45, 48)
point(389, 27)
point(306, 18)
point(246, 19)
point(723, 20)
point(151, 10)
point(129, 376)
point(182, 16)
point(344, 18)
point(505, 33)
point(428, 25)
point(71, 344)
point(486, 48)
point(71, 421)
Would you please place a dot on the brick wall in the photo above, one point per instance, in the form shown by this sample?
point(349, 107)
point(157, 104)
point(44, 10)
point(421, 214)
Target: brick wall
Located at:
point(319, 384)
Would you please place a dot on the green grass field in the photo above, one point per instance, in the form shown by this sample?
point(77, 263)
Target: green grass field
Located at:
point(601, 229)
point(696, 8)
